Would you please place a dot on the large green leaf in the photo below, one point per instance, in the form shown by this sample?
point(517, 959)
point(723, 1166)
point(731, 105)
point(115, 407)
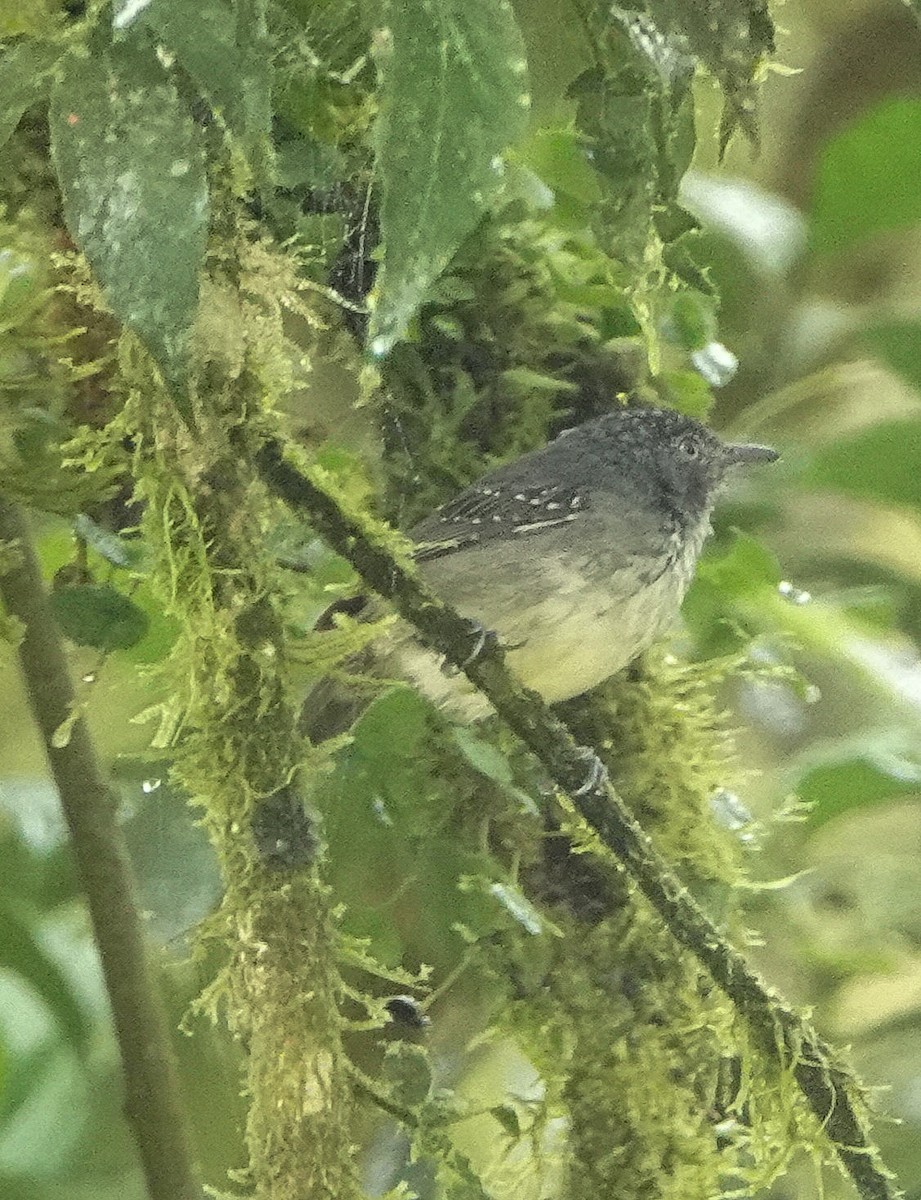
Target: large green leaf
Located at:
point(453, 97)
point(868, 178)
point(135, 198)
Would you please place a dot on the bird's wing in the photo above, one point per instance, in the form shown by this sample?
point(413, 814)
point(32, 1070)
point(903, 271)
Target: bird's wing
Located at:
point(491, 510)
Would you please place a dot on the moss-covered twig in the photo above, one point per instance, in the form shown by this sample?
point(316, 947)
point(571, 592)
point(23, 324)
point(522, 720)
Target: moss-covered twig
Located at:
point(152, 1102)
point(830, 1089)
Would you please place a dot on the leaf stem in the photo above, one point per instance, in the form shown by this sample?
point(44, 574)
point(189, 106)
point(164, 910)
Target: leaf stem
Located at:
point(152, 1101)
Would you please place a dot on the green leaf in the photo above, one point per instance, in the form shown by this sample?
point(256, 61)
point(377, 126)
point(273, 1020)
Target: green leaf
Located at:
point(880, 462)
point(392, 727)
point(689, 393)
point(731, 38)
point(24, 70)
point(507, 1116)
point(691, 321)
point(173, 862)
point(898, 344)
point(24, 954)
point(226, 54)
point(201, 35)
point(558, 158)
point(408, 1073)
point(21, 291)
point(453, 97)
point(97, 615)
point(743, 568)
point(867, 179)
point(870, 778)
point(728, 585)
point(485, 758)
point(135, 198)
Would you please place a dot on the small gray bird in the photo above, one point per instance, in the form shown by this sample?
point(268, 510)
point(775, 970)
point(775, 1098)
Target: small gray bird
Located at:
point(578, 555)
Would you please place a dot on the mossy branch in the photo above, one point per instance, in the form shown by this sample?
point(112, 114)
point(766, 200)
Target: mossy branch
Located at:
point(830, 1090)
point(152, 1100)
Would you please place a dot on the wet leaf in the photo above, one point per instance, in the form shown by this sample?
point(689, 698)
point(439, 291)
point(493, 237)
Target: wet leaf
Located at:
point(454, 96)
point(135, 198)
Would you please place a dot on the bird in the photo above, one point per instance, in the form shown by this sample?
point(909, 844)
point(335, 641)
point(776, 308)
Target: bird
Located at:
point(577, 555)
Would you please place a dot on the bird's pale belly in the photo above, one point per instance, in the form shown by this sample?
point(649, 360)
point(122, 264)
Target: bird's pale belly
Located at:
point(567, 641)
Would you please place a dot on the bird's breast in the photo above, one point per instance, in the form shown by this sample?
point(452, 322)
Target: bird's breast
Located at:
point(568, 622)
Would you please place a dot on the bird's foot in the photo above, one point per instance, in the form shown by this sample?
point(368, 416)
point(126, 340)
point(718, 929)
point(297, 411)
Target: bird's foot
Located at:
point(596, 774)
point(482, 639)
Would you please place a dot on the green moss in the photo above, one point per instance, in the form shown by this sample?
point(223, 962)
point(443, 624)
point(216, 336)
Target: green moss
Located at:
point(647, 1060)
point(235, 742)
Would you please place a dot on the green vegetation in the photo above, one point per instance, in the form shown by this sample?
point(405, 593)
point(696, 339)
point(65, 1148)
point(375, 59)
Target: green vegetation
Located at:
point(276, 278)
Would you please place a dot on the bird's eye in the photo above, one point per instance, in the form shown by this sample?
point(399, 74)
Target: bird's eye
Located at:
point(688, 447)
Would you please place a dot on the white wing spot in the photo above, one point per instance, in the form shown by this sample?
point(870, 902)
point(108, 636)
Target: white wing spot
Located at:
point(530, 526)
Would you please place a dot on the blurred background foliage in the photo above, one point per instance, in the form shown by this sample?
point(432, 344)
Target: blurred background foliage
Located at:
point(811, 253)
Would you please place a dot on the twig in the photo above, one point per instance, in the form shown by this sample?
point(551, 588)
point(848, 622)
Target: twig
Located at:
point(152, 1102)
point(830, 1090)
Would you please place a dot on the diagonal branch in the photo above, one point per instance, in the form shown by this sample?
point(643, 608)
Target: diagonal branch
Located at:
point(830, 1089)
point(152, 1102)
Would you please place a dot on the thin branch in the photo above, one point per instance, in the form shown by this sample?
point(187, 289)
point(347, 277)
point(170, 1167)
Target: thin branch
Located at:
point(152, 1101)
point(830, 1090)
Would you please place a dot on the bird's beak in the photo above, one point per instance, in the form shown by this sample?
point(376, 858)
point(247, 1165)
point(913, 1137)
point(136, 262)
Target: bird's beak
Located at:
point(743, 454)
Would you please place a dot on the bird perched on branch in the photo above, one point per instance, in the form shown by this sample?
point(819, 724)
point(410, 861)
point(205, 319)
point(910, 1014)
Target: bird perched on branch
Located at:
point(577, 555)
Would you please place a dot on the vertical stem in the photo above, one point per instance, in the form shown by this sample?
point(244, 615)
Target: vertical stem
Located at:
point(152, 1102)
